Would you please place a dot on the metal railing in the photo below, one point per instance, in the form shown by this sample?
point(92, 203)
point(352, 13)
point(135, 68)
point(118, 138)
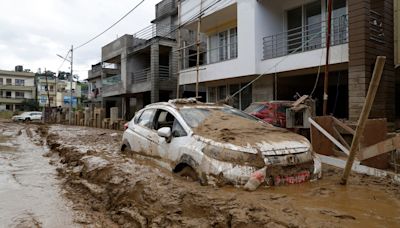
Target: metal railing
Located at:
point(209, 56)
point(140, 76)
point(305, 38)
point(376, 27)
point(154, 30)
point(164, 72)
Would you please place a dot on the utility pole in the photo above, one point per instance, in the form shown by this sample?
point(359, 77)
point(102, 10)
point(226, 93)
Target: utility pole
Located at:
point(198, 51)
point(328, 45)
point(179, 49)
point(70, 84)
point(47, 89)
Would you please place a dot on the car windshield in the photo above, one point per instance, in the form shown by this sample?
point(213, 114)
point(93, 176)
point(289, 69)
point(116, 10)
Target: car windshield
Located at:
point(196, 116)
point(254, 108)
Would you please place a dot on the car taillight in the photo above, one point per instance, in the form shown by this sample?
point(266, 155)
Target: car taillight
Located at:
point(126, 126)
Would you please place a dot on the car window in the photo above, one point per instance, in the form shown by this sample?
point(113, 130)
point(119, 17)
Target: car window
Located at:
point(146, 119)
point(166, 119)
point(136, 118)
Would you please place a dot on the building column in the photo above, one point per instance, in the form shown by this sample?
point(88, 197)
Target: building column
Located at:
point(154, 72)
point(363, 50)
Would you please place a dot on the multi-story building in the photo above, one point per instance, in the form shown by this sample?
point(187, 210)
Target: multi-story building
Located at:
point(140, 69)
point(55, 92)
point(16, 87)
point(285, 40)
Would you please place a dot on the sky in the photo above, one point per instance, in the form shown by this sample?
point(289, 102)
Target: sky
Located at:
point(33, 32)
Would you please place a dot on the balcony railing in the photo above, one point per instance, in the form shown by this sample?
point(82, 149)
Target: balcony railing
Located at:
point(209, 56)
point(305, 38)
point(144, 74)
point(112, 80)
point(154, 30)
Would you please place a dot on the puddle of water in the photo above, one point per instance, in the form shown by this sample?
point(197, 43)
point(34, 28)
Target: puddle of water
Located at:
point(29, 191)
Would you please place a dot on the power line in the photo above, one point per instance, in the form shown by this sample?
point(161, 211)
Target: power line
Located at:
point(130, 11)
point(65, 58)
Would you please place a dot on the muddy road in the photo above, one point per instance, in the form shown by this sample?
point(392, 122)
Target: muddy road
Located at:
point(84, 180)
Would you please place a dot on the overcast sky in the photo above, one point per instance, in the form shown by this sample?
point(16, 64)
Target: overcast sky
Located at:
point(32, 32)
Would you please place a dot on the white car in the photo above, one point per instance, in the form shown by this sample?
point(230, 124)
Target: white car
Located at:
point(28, 116)
point(210, 142)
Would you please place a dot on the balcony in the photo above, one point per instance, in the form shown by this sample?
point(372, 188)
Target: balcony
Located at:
point(144, 74)
point(305, 38)
point(112, 86)
point(154, 30)
point(17, 87)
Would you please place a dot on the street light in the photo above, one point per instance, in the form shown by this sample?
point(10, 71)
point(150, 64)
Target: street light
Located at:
point(70, 83)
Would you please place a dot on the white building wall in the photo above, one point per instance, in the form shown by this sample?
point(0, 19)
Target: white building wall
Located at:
point(191, 8)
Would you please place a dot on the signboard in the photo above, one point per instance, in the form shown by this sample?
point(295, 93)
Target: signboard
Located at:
point(67, 100)
point(42, 100)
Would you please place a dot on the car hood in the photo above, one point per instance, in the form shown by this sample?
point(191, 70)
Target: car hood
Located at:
point(269, 145)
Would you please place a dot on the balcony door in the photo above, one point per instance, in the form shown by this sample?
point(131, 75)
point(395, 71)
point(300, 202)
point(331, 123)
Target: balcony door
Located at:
point(294, 30)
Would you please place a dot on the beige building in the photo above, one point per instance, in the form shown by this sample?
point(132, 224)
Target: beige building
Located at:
point(15, 87)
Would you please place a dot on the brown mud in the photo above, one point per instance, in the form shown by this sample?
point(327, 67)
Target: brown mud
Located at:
point(124, 190)
point(240, 131)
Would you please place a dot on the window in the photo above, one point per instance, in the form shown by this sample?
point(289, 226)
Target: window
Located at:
point(223, 46)
point(1, 81)
point(8, 94)
point(166, 119)
point(212, 94)
point(221, 93)
point(19, 94)
point(43, 88)
point(51, 88)
point(8, 81)
point(19, 82)
point(146, 119)
point(233, 43)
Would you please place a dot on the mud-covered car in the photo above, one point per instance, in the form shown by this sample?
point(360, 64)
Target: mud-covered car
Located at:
point(28, 116)
point(218, 143)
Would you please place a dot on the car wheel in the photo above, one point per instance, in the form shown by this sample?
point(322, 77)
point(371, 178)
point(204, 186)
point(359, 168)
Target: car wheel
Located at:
point(27, 120)
point(189, 173)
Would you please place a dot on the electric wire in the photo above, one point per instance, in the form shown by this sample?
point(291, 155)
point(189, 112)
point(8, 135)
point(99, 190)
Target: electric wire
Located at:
point(115, 23)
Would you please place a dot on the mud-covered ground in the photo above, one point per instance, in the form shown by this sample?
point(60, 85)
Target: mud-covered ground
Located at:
point(105, 188)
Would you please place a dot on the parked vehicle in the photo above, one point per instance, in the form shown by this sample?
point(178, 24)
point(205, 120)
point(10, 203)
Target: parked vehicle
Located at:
point(214, 143)
point(272, 112)
point(28, 116)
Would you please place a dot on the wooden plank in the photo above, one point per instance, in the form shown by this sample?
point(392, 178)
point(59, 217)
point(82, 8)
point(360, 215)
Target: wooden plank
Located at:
point(380, 148)
point(329, 136)
point(320, 143)
point(373, 88)
point(300, 100)
point(343, 126)
point(356, 167)
point(338, 136)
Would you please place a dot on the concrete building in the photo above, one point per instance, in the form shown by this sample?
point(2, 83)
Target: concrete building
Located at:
point(56, 91)
point(15, 88)
point(285, 40)
point(140, 69)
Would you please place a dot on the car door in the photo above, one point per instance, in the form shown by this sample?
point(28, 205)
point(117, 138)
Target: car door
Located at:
point(170, 150)
point(145, 138)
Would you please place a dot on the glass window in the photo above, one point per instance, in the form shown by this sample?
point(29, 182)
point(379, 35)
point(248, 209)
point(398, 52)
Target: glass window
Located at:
point(213, 50)
point(246, 96)
point(146, 119)
point(166, 119)
point(223, 45)
point(313, 27)
point(233, 43)
point(8, 81)
point(212, 94)
point(221, 93)
point(1, 81)
point(19, 94)
point(8, 94)
point(19, 82)
point(234, 100)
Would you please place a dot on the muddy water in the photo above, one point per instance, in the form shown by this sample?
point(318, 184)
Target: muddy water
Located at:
point(29, 191)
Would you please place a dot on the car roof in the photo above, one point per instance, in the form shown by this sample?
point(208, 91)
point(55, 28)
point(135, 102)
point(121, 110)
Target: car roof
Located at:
point(184, 102)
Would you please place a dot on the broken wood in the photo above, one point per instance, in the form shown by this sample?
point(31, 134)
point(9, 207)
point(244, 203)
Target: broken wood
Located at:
point(340, 138)
point(358, 168)
point(343, 126)
point(373, 87)
point(329, 136)
point(380, 148)
point(300, 100)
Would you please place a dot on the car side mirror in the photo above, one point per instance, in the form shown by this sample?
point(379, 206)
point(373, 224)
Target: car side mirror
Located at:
point(165, 132)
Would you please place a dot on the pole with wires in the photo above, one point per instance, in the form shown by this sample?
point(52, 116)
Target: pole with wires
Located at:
point(328, 45)
point(198, 51)
point(179, 51)
point(70, 84)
